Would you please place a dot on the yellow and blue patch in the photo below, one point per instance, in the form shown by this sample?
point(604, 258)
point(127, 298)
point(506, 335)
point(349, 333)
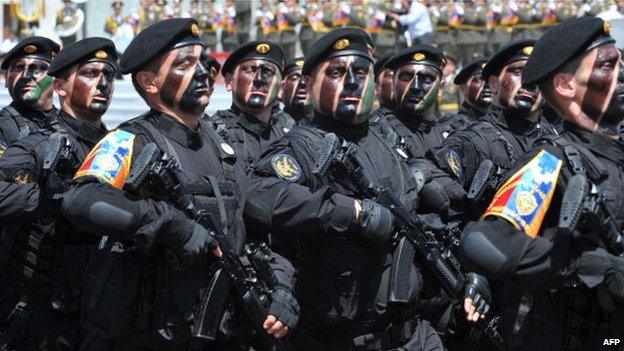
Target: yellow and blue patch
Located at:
point(524, 199)
point(286, 167)
point(110, 160)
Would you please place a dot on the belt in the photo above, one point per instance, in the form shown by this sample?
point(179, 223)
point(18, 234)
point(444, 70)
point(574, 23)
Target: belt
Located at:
point(395, 336)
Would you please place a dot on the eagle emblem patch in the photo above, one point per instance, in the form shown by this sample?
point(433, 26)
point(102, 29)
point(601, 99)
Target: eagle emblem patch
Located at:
point(524, 199)
point(286, 167)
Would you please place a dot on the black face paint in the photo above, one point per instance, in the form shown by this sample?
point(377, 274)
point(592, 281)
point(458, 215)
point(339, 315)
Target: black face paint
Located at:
point(191, 99)
point(28, 82)
point(416, 88)
point(615, 111)
point(256, 84)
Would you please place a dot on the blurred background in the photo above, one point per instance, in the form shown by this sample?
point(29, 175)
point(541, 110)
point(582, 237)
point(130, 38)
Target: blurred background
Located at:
point(465, 30)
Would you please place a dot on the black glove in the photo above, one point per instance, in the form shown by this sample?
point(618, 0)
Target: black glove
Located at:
point(477, 288)
point(599, 267)
point(192, 247)
point(284, 307)
point(376, 222)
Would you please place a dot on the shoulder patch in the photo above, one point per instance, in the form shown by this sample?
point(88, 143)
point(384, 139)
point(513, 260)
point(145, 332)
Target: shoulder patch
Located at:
point(286, 167)
point(525, 197)
point(23, 176)
point(110, 160)
point(454, 162)
point(3, 147)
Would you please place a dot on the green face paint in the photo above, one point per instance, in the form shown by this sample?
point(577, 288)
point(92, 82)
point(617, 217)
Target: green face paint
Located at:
point(42, 86)
point(274, 89)
point(368, 97)
point(429, 99)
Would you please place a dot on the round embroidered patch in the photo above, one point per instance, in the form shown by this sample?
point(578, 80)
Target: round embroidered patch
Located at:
point(286, 167)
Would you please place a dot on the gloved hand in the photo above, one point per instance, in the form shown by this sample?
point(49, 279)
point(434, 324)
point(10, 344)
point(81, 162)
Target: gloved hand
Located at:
point(598, 267)
point(477, 297)
point(192, 247)
point(375, 222)
point(285, 312)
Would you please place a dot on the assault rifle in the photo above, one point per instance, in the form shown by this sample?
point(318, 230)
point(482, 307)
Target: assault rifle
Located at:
point(583, 207)
point(487, 177)
point(153, 169)
point(337, 159)
point(58, 155)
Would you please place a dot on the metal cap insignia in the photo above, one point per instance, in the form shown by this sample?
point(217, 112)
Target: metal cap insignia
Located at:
point(213, 72)
point(606, 27)
point(29, 49)
point(340, 44)
point(527, 50)
point(299, 63)
point(419, 56)
point(263, 48)
point(195, 30)
point(101, 55)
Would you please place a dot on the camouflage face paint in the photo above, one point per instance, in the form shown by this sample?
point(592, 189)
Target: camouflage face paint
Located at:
point(513, 95)
point(186, 84)
point(601, 81)
point(343, 88)
point(478, 91)
point(256, 84)
point(90, 88)
point(416, 87)
point(386, 93)
point(29, 83)
point(295, 92)
point(615, 111)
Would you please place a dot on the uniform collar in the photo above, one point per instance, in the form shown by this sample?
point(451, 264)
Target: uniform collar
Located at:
point(470, 111)
point(251, 123)
point(34, 114)
point(348, 131)
point(599, 144)
point(81, 129)
point(416, 123)
point(515, 124)
point(177, 131)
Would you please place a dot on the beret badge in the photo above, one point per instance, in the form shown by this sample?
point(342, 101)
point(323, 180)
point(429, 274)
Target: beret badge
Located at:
point(606, 27)
point(341, 44)
point(527, 50)
point(101, 55)
point(195, 30)
point(419, 56)
point(299, 63)
point(263, 48)
point(213, 72)
point(29, 49)
point(483, 65)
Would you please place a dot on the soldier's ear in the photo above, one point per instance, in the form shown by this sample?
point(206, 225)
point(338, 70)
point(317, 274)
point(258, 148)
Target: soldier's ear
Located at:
point(227, 77)
point(147, 81)
point(59, 87)
point(564, 85)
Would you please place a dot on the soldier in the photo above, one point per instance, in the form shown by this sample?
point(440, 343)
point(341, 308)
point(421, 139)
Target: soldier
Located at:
point(152, 308)
point(504, 133)
point(294, 92)
point(337, 238)
point(288, 13)
point(243, 19)
point(253, 73)
point(44, 255)
point(476, 96)
point(383, 88)
point(30, 88)
point(115, 19)
point(449, 103)
point(564, 290)
point(204, 13)
point(312, 25)
point(230, 23)
point(418, 84)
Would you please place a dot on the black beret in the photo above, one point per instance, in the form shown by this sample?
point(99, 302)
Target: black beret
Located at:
point(263, 50)
point(512, 52)
point(37, 47)
point(213, 66)
point(339, 42)
point(380, 64)
point(293, 64)
point(562, 44)
point(422, 54)
point(157, 39)
point(86, 50)
point(469, 70)
point(115, 3)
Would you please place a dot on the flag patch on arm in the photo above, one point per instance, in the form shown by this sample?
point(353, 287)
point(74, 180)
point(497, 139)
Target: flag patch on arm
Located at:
point(110, 159)
point(524, 199)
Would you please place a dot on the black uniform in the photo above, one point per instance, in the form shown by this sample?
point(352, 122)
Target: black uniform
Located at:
point(412, 136)
point(44, 254)
point(342, 281)
point(453, 122)
point(247, 134)
point(496, 137)
point(536, 267)
point(17, 121)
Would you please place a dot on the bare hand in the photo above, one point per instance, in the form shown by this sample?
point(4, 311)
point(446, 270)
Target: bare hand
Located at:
point(275, 327)
point(217, 252)
point(471, 311)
